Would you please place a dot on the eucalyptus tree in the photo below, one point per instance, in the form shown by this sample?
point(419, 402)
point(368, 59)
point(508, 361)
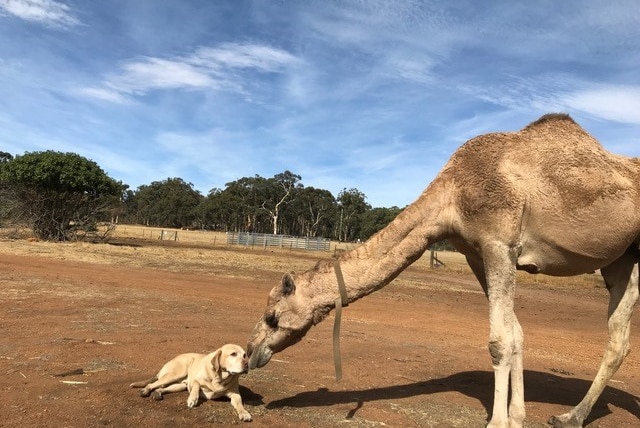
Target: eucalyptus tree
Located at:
point(244, 197)
point(312, 213)
point(278, 192)
point(351, 206)
point(168, 203)
point(376, 219)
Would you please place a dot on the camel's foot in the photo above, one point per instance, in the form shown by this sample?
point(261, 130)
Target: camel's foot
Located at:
point(568, 420)
point(510, 423)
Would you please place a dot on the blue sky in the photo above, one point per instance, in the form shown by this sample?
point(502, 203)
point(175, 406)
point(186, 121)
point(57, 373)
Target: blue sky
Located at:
point(373, 95)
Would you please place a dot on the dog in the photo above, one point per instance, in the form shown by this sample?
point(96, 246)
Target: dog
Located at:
point(210, 376)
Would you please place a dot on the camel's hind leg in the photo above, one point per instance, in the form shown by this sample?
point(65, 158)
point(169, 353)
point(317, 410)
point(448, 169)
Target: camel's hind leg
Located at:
point(621, 278)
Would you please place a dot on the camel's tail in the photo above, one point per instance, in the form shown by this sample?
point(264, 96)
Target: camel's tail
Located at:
point(143, 383)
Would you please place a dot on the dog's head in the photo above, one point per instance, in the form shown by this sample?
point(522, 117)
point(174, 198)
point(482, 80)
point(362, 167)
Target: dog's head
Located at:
point(230, 358)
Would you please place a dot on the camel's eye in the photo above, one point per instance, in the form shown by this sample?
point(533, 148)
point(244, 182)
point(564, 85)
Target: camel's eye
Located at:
point(271, 320)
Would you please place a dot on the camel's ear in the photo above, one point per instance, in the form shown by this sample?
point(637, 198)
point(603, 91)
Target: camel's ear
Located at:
point(215, 361)
point(288, 286)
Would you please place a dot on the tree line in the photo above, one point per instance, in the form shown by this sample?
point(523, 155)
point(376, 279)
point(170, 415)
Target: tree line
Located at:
point(280, 205)
point(63, 196)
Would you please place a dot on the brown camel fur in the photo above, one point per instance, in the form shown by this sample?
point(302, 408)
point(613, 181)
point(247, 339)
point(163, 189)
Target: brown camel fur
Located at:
point(547, 199)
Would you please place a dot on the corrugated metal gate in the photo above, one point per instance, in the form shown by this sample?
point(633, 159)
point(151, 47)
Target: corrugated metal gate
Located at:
point(281, 241)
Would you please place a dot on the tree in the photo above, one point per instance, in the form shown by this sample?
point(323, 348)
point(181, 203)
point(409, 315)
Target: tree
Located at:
point(61, 196)
point(351, 205)
point(168, 203)
point(5, 157)
point(6, 200)
point(245, 197)
point(376, 219)
point(210, 211)
point(313, 212)
point(129, 208)
point(277, 193)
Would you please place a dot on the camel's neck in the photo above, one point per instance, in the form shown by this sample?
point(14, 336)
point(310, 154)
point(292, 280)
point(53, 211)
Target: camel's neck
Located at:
point(378, 261)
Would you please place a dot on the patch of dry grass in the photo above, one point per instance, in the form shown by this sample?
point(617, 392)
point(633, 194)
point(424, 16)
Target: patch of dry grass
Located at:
point(192, 252)
point(208, 253)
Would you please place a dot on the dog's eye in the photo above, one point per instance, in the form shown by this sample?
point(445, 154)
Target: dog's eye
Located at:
point(234, 354)
point(271, 320)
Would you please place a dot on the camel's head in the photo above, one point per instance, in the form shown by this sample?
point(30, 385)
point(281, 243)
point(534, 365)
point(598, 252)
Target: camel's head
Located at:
point(285, 321)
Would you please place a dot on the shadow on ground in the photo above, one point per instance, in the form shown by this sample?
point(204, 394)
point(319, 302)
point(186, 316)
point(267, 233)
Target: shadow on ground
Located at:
point(545, 388)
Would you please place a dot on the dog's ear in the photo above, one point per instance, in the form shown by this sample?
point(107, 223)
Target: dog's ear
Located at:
point(288, 286)
point(215, 361)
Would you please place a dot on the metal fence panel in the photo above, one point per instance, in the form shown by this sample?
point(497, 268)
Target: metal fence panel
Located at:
point(281, 241)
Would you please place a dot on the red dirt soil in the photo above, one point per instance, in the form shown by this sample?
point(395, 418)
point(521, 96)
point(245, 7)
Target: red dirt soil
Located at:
point(76, 334)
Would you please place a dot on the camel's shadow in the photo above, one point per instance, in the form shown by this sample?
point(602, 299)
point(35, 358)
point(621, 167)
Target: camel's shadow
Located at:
point(539, 387)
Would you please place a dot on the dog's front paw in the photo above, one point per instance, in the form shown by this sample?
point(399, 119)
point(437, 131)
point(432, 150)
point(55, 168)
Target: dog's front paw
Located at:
point(144, 392)
point(157, 395)
point(244, 416)
point(192, 402)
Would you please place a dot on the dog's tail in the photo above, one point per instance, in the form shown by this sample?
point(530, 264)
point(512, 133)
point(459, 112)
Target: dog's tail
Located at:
point(143, 383)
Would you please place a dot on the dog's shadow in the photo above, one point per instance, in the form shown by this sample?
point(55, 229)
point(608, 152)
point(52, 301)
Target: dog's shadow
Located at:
point(249, 397)
point(539, 387)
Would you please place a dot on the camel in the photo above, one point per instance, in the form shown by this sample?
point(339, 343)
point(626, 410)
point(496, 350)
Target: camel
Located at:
point(546, 199)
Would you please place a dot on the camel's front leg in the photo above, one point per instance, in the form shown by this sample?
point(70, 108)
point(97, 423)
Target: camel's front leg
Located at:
point(516, 406)
point(621, 278)
point(505, 337)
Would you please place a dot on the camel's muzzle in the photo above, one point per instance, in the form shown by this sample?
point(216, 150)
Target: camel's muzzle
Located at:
point(259, 356)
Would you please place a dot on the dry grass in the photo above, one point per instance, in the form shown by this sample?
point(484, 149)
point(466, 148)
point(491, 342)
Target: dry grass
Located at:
point(153, 233)
point(208, 253)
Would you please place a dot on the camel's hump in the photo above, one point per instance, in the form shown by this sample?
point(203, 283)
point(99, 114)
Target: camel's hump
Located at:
point(550, 117)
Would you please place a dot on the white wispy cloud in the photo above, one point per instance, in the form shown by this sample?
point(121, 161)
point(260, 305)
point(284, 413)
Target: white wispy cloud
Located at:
point(618, 103)
point(615, 103)
point(250, 56)
point(414, 70)
point(206, 68)
point(158, 73)
point(48, 12)
point(103, 94)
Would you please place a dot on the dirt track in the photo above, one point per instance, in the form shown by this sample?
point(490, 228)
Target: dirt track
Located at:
point(411, 356)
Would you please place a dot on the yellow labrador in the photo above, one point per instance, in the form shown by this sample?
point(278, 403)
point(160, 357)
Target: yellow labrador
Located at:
point(210, 376)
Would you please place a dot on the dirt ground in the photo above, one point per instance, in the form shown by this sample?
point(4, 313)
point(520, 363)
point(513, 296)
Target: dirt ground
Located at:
point(75, 334)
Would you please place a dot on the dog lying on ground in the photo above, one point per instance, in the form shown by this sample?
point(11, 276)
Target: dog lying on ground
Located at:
point(210, 376)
